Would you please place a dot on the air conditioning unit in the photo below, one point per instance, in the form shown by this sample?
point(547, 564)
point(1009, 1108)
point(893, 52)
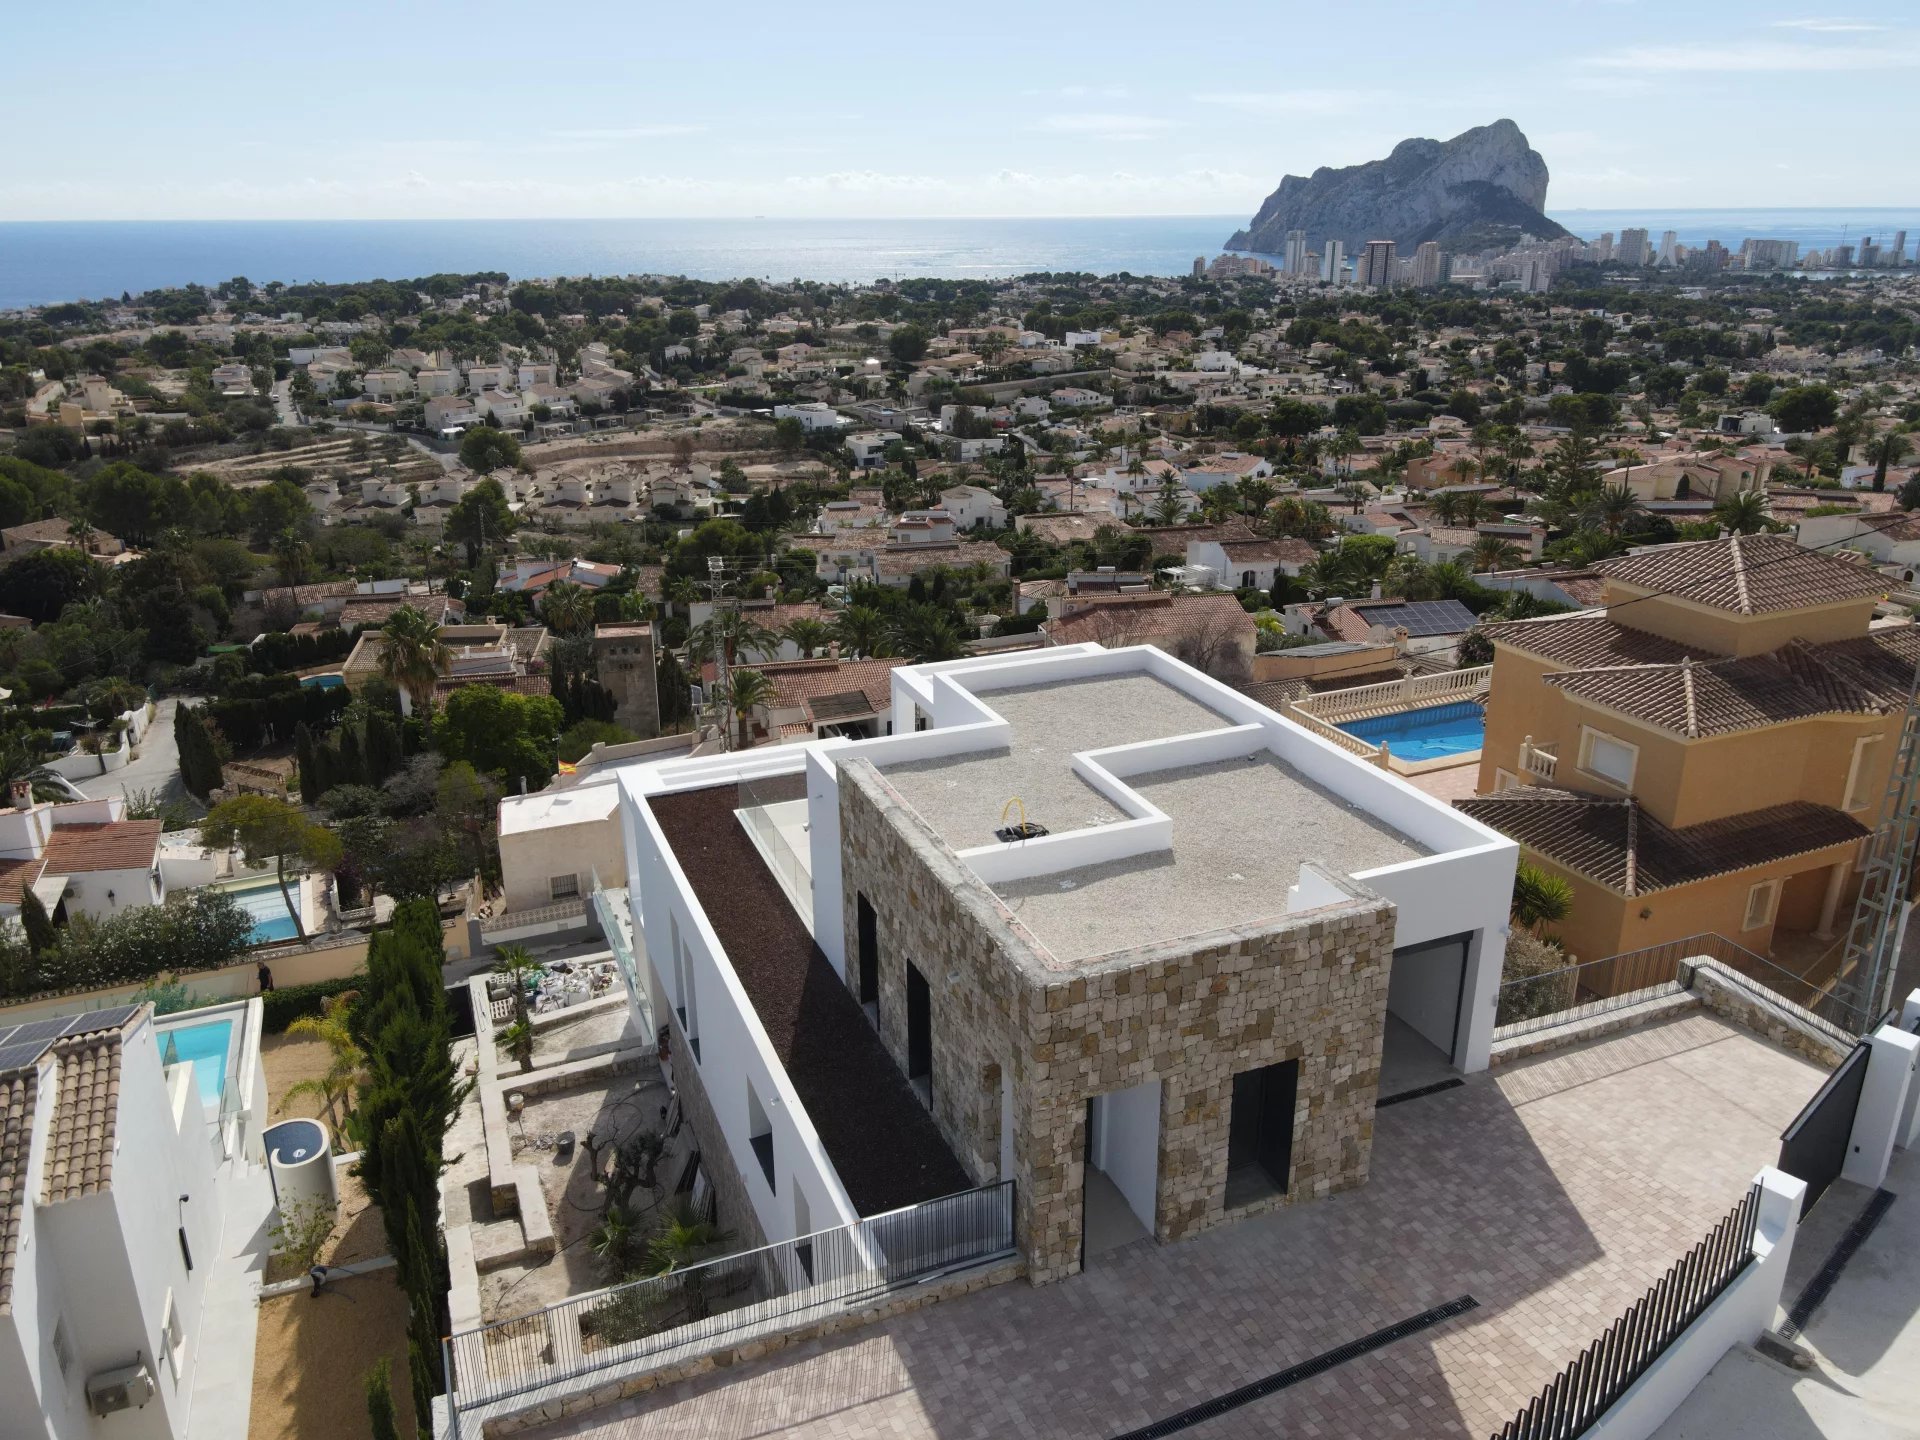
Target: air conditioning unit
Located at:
point(128, 1388)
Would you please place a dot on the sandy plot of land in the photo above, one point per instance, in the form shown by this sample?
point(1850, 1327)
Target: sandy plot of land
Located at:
point(287, 1060)
point(312, 1355)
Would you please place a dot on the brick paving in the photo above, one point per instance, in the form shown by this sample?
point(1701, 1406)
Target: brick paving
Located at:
point(1553, 1191)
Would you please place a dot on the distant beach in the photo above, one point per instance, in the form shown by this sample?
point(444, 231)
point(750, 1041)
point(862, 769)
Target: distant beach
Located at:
point(47, 262)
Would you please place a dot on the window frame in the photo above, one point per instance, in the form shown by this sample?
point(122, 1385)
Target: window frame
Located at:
point(1770, 888)
point(1588, 735)
point(572, 880)
point(173, 1337)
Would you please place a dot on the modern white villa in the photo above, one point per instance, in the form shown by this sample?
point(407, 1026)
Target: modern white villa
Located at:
point(128, 1163)
point(1085, 920)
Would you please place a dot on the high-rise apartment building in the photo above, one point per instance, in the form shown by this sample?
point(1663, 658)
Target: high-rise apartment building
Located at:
point(1296, 256)
point(1897, 252)
point(1376, 265)
point(1428, 267)
point(1869, 253)
point(1333, 261)
point(1633, 247)
point(1669, 248)
point(1601, 251)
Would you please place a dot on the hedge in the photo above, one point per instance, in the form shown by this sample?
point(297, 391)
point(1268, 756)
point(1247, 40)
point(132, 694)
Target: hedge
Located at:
point(280, 1008)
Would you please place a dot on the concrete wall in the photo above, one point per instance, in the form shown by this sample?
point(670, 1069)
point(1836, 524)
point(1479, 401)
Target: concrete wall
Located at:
point(530, 859)
point(1126, 1146)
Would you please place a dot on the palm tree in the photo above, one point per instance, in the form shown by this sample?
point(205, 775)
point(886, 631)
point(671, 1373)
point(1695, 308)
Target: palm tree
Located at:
point(807, 635)
point(1446, 506)
point(19, 763)
point(1472, 506)
point(731, 633)
point(747, 690)
point(1495, 552)
point(412, 655)
point(862, 631)
point(1170, 504)
point(683, 1240)
point(336, 1085)
point(1890, 449)
point(1539, 897)
point(1614, 509)
point(1744, 512)
point(82, 533)
point(293, 557)
point(568, 609)
point(1463, 470)
point(924, 633)
point(519, 967)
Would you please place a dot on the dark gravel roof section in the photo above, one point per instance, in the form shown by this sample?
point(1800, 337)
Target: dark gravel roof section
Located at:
point(1747, 574)
point(883, 1143)
point(1618, 844)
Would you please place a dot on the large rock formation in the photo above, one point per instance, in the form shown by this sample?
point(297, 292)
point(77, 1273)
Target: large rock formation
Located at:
point(1481, 189)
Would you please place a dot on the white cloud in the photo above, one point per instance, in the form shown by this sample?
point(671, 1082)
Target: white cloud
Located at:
point(1759, 56)
point(1294, 102)
point(1104, 126)
point(1825, 25)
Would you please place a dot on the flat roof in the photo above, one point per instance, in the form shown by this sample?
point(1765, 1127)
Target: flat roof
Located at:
point(961, 797)
point(1242, 827)
point(581, 805)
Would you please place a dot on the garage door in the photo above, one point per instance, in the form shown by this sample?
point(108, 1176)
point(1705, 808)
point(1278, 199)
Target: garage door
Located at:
point(1425, 989)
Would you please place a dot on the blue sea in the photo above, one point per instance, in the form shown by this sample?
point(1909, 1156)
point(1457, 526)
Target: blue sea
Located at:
point(44, 262)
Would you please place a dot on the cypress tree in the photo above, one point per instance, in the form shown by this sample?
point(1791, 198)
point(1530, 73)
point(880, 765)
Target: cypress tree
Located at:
point(380, 1416)
point(33, 918)
point(353, 769)
point(303, 757)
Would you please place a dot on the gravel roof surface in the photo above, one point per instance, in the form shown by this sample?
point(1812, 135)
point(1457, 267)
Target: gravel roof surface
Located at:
point(883, 1143)
point(1241, 830)
point(961, 798)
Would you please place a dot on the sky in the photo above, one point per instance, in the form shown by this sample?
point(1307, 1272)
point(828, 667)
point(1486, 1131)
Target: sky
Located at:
point(413, 110)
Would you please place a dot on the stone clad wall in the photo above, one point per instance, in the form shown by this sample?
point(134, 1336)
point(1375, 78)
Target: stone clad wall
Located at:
point(736, 1212)
point(1311, 987)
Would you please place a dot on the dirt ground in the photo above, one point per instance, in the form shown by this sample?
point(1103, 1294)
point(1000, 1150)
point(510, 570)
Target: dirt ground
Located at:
point(359, 1234)
point(287, 1060)
point(312, 1355)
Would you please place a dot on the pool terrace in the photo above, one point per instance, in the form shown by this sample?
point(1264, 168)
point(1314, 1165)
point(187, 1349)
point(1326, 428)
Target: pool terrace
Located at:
point(1413, 725)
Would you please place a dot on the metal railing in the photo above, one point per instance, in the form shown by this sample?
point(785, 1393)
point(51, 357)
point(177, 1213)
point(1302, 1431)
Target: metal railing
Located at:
point(1407, 693)
point(731, 1298)
point(1528, 1003)
point(1583, 1392)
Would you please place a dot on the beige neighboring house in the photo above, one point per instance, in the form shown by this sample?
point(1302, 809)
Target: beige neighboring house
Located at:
point(553, 844)
point(19, 540)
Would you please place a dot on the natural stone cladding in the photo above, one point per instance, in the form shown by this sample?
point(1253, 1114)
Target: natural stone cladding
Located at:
point(732, 1202)
point(1191, 1013)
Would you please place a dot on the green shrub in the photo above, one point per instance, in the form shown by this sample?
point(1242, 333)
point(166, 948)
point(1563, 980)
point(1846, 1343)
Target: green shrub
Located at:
point(280, 1008)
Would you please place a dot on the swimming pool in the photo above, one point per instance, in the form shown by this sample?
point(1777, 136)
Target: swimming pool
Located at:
point(205, 1045)
point(268, 907)
point(1430, 734)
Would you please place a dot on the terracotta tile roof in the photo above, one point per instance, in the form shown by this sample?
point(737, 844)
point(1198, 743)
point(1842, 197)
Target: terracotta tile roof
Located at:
point(1868, 676)
point(1285, 551)
point(798, 683)
point(1584, 639)
point(86, 1109)
point(1149, 619)
point(1617, 843)
point(16, 876)
point(1747, 574)
point(112, 845)
point(18, 1092)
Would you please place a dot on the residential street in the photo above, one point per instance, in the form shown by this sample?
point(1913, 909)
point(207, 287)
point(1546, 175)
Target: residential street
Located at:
point(157, 767)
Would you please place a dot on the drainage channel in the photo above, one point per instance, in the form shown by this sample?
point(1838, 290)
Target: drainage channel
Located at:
point(1434, 1089)
point(1306, 1370)
point(1815, 1293)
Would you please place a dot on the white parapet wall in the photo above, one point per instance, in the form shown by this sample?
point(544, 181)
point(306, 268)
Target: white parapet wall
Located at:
point(1879, 1119)
point(1741, 1314)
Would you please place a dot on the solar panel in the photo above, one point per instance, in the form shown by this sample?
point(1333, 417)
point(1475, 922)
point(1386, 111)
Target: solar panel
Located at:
point(12, 1057)
point(42, 1030)
point(95, 1020)
point(1423, 617)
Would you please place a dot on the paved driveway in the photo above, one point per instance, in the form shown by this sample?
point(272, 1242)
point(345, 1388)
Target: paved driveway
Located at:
point(1553, 1194)
point(157, 768)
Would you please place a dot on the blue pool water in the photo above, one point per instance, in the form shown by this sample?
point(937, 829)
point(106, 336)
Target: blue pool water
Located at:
point(205, 1045)
point(1429, 734)
point(268, 907)
point(324, 682)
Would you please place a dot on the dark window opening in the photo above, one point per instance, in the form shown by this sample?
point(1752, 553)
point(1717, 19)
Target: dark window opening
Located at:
point(1260, 1132)
point(919, 1033)
point(803, 1253)
point(868, 925)
point(760, 1134)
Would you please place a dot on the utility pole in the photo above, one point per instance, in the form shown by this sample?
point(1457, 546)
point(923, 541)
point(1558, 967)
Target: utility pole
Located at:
point(716, 585)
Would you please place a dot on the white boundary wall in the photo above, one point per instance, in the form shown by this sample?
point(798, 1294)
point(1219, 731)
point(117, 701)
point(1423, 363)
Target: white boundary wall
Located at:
point(1738, 1317)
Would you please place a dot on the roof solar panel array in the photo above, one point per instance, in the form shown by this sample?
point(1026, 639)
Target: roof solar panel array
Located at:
point(25, 1043)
